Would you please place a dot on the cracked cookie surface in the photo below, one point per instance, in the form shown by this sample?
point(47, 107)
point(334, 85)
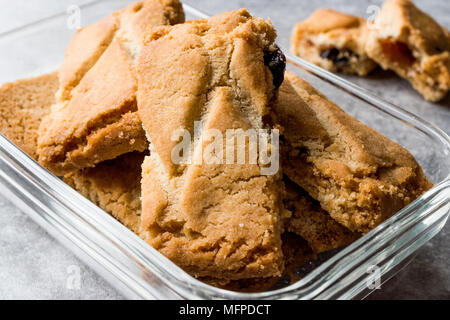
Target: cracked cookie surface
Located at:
point(95, 115)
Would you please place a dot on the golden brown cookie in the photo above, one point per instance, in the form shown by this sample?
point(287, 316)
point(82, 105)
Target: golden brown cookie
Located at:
point(212, 219)
point(334, 41)
point(23, 104)
point(414, 45)
point(359, 176)
point(95, 115)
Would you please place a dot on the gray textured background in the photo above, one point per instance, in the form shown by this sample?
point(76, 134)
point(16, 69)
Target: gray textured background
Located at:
point(34, 266)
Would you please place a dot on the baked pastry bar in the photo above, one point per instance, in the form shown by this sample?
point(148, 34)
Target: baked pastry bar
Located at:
point(313, 223)
point(23, 104)
point(359, 176)
point(334, 41)
point(212, 219)
point(416, 47)
point(95, 115)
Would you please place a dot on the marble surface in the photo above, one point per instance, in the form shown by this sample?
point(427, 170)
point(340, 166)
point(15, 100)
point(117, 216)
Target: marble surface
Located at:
point(34, 266)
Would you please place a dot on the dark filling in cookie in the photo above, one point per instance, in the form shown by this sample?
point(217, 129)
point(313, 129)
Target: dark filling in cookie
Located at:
point(398, 52)
point(276, 61)
point(339, 57)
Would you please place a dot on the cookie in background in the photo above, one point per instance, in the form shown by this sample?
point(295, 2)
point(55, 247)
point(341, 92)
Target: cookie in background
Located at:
point(334, 41)
point(402, 38)
point(414, 45)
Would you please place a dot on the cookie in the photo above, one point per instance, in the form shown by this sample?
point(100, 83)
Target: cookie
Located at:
point(334, 41)
point(359, 176)
point(414, 45)
point(95, 115)
point(23, 104)
point(313, 223)
point(213, 219)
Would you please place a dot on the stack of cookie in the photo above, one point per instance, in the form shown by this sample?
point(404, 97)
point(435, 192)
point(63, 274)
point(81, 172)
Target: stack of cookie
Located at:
point(138, 83)
point(402, 38)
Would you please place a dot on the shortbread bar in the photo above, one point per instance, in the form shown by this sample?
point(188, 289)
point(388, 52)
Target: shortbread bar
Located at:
point(414, 45)
point(211, 218)
point(334, 41)
point(359, 176)
point(95, 115)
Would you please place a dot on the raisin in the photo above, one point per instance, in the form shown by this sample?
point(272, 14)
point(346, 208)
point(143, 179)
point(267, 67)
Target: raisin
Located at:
point(276, 61)
point(338, 57)
point(329, 54)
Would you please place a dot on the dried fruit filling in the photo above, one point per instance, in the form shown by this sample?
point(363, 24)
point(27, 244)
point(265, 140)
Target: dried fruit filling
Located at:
point(276, 61)
point(339, 57)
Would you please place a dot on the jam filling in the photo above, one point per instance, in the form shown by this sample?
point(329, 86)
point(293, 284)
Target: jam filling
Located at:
point(398, 52)
point(276, 61)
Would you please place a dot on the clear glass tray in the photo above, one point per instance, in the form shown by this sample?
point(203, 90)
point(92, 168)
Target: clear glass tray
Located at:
point(139, 271)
